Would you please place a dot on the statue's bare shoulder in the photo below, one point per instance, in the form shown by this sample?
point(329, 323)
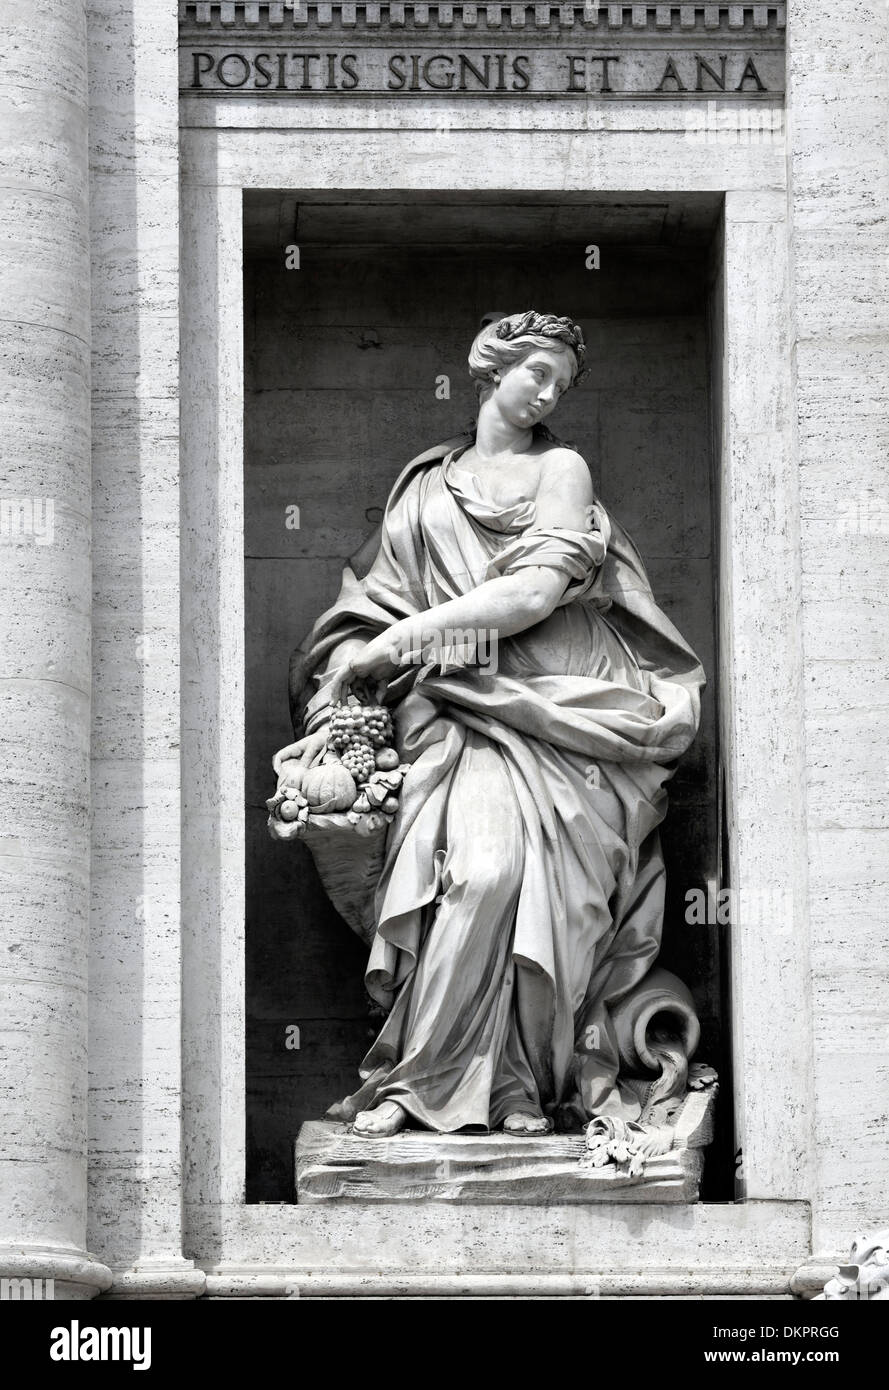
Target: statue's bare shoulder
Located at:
point(565, 477)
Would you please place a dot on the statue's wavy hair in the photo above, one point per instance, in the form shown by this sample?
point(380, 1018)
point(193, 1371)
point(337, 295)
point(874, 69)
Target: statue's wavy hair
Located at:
point(509, 338)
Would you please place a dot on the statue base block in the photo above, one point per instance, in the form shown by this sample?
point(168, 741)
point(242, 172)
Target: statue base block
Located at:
point(335, 1165)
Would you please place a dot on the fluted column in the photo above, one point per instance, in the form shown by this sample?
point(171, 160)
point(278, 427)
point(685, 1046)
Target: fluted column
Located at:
point(45, 645)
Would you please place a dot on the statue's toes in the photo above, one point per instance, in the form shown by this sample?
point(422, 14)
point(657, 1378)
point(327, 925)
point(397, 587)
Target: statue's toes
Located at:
point(526, 1124)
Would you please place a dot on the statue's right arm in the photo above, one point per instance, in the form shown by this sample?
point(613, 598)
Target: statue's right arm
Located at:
point(318, 708)
point(311, 746)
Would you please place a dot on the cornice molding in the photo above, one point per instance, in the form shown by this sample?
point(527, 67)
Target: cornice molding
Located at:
point(604, 15)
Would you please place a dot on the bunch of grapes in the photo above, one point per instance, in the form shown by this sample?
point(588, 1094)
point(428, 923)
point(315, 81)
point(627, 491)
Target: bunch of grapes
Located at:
point(355, 732)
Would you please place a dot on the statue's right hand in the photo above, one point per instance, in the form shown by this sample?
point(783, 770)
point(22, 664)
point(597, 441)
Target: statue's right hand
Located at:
point(308, 751)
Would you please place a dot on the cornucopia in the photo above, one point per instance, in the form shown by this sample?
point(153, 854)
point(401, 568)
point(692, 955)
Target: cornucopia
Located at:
point(349, 797)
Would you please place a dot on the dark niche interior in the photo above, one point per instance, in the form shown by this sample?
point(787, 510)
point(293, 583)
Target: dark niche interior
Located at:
point(355, 362)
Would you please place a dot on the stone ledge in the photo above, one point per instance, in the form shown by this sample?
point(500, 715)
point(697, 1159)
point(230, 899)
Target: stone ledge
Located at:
point(352, 1249)
point(693, 1284)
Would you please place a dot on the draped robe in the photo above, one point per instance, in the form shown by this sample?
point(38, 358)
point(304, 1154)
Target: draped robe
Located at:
point(521, 895)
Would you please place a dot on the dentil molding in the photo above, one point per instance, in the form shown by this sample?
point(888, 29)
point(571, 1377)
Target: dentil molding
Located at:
point(593, 14)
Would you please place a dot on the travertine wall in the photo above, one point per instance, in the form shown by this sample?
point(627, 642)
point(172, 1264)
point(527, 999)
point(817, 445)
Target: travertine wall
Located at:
point(838, 332)
point(838, 173)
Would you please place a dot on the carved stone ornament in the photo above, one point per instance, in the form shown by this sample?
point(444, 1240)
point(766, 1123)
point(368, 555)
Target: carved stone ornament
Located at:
point(866, 1276)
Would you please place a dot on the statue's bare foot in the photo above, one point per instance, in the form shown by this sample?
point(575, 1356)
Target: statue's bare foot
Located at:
point(519, 1123)
point(379, 1123)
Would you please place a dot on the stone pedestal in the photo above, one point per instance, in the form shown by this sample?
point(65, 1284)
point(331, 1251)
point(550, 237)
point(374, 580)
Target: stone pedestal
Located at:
point(335, 1165)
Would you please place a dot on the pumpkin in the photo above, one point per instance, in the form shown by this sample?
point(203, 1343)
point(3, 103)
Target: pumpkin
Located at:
point(330, 787)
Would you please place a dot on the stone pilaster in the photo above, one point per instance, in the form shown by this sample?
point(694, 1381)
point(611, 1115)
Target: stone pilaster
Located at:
point(135, 1144)
point(45, 644)
point(838, 182)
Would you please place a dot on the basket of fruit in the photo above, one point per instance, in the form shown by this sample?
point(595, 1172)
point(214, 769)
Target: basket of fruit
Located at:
point(343, 807)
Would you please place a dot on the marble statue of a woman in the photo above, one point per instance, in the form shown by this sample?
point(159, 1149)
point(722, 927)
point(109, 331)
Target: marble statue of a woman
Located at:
point(520, 900)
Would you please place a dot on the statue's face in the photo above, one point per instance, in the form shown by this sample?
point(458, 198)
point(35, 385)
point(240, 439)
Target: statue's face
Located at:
point(530, 390)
